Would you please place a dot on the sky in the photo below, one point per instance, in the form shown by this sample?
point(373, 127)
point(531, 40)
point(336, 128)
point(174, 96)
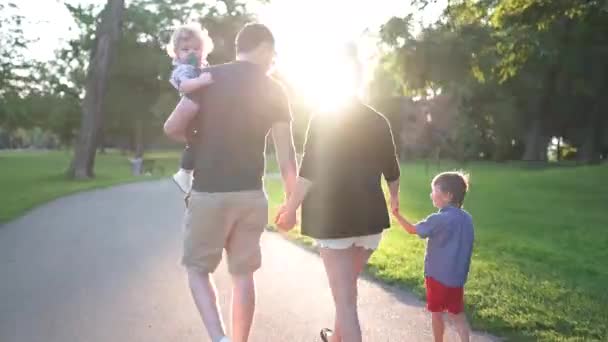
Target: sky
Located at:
point(310, 35)
point(290, 20)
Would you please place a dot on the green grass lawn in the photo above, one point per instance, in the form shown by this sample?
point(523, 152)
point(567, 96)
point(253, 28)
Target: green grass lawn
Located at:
point(31, 178)
point(540, 265)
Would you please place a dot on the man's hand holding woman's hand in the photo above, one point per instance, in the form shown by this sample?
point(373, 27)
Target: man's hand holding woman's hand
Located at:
point(286, 218)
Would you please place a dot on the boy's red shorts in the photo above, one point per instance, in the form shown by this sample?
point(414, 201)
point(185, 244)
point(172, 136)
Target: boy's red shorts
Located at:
point(440, 298)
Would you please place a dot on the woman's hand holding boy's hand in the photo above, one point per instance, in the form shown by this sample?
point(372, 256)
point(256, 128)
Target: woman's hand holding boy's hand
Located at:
point(410, 228)
point(394, 204)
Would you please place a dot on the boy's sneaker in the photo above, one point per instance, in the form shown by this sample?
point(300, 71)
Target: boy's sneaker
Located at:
point(183, 180)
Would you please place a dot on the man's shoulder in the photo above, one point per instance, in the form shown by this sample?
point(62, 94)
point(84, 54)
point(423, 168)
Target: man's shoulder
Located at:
point(274, 90)
point(219, 67)
point(275, 85)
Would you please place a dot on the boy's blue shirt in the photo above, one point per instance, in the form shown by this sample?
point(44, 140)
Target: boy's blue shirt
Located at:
point(450, 245)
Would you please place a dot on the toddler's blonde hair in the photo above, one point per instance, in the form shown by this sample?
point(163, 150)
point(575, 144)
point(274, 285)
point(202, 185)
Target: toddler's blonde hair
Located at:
point(186, 32)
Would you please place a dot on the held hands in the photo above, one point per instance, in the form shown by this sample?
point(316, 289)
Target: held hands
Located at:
point(394, 204)
point(403, 222)
point(285, 219)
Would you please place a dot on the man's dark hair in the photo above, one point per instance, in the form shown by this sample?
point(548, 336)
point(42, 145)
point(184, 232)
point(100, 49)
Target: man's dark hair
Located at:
point(455, 183)
point(251, 36)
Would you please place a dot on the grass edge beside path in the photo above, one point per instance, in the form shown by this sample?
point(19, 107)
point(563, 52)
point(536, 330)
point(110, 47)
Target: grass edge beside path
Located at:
point(29, 179)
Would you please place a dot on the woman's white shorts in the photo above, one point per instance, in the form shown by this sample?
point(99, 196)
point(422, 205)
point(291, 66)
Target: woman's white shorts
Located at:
point(366, 241)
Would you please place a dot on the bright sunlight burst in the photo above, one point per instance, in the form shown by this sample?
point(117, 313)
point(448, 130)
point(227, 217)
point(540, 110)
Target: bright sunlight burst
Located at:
point(324, 81)
point(314, 54)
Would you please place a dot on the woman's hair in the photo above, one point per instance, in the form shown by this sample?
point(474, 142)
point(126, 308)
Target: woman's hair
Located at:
point(455, 183)
point(191, 31)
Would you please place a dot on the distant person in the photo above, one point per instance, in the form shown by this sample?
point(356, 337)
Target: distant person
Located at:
point(189, 47)
point(227, 208)
point(448, 252)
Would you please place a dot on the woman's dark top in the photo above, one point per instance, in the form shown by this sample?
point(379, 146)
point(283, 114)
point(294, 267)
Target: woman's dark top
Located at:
point(345, 154)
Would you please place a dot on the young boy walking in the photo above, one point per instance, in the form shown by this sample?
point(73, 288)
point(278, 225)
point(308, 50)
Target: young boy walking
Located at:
point(448, 252)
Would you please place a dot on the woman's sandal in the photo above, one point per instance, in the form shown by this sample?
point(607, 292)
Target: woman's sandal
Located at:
point(325, 334)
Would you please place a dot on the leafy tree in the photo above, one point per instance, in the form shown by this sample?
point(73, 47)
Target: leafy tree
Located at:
point(520, 71)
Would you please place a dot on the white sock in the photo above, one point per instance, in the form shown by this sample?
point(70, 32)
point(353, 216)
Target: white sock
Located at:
point(224, 339)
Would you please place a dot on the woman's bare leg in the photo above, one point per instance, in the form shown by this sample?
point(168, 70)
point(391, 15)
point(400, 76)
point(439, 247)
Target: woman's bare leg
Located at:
point(340, 268)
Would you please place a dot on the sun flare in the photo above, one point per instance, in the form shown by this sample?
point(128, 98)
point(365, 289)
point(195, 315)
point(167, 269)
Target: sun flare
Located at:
point(322, 81)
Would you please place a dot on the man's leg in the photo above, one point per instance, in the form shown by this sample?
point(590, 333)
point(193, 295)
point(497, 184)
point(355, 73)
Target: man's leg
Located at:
point(204, 294)
point(243, 306)
point(438, 326)
point(245, 257)
point(462, 326)
point(205, 232)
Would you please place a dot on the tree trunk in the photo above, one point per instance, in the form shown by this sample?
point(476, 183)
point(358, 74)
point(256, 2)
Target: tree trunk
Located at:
point(590, 151)
point(536, 142)
point(106, 38)
point(536, 138)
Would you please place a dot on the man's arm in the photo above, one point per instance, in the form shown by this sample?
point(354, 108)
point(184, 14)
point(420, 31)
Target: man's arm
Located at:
point(286, 154)
point(190, 85)
point(286, 217)
point(176, 125)
point(300, 192)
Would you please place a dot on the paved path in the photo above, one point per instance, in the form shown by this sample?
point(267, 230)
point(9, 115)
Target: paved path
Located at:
point(103, 266)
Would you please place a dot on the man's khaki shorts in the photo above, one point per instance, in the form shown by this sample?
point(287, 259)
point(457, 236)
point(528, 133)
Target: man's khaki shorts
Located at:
point(227, 220)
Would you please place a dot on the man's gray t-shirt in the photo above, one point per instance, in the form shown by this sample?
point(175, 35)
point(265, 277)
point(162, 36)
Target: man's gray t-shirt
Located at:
point(450, 245)
point(235, 115)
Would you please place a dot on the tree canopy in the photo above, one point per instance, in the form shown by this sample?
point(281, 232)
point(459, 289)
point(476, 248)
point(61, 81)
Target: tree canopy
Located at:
point(523, 74)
